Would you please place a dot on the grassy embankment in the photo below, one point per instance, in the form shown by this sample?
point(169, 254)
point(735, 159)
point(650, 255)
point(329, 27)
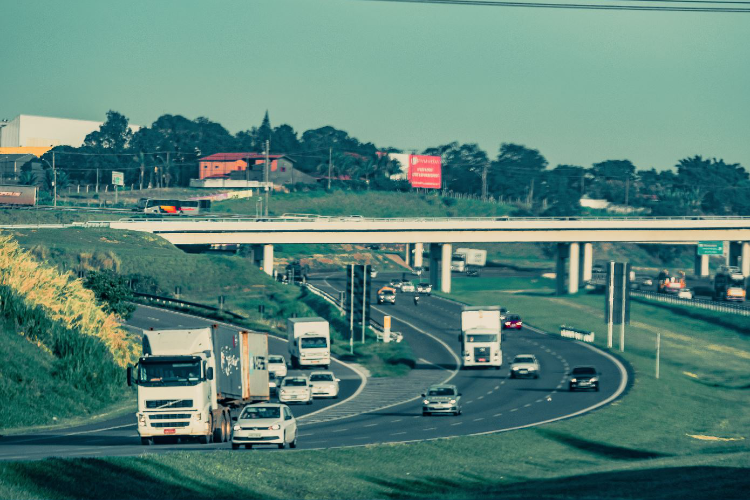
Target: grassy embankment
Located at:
point(158, 267)
point(682, 436)
point(62, 355)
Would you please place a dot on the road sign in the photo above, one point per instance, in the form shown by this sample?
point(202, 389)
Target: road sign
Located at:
point(710, 248)
point(118, 178)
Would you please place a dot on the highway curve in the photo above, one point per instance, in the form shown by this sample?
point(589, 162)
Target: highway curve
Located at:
point(383, 410)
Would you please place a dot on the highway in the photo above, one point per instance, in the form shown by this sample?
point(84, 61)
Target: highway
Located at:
point(380, 410)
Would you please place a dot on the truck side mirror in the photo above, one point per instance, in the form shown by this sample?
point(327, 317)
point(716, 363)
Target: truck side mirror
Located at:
point(130, 376)
point(210, 373)
point(424, 395)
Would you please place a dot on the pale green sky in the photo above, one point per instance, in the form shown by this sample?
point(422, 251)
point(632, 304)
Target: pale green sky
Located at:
point(580, 86)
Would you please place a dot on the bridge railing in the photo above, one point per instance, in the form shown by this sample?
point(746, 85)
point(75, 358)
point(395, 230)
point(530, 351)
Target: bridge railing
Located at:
point(711, 305)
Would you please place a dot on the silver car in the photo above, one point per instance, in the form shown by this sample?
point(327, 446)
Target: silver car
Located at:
point(265, 423)
point(525, 365)
point(296, 389)
point(442, 398)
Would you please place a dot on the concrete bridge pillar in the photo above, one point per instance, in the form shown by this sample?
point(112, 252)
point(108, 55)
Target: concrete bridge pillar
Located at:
point(407, 254)
point(733, 255)
point(573, 263)
point(587, 261)
point(435, 264)
point(445, 269)
point(745, 258)
point(562, 249)
point(701, 264)
point(257, 251)
point(418, 253)
point(268, 259)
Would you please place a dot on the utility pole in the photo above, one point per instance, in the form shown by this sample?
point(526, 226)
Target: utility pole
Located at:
point(54, 179)
point(267, 174)
point(97, 180)
point(484, 181)
point(330, 164)
point(143, 170)
point(627, 189)
point(167, 166)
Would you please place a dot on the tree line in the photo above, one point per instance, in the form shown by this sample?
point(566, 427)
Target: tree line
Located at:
point(166, 152)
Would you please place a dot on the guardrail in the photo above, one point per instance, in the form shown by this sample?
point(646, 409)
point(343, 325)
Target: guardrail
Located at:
point(324, 295)
point(186, 304)
point(711, 305)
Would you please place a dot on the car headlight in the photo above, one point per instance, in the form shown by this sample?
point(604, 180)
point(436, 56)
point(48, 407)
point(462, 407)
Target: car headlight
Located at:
point(275, 427)
point(573, 380)
point(514, 368)
point(594, 379)
point(237, 427)
point(142, 419)
point(453, 401)
point(426, 401)
point(283, 391)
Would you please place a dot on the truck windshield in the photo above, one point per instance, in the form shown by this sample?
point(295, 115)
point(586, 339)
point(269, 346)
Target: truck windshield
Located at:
point(313, 343)
point(485, 337)
point(169, 373)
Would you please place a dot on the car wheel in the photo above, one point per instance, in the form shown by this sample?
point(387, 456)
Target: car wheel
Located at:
point(425, 413)
point(282, 445)
point(293, 444)
point(309, 401)
point(512, 375)
point(536, 376)
point(146, 441)
point(248, 447)
point(596, 388)
point(571, 388)
point(235, 446)
point(497, 368)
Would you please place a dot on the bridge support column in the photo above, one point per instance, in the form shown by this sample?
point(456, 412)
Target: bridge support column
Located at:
point(407, 254)
point(257, 256)
point(268, 259)
point(701, 264)
point(435, 264)
point(562, 249)
point(418, 253)
point(733, 256)
point(445, 268)
point(745, 258)
point(587, 262)
point(573, 263)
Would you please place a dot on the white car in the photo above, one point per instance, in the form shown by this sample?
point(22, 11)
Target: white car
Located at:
point(524, 365)
point(373, 273)
point(685, 293)
point(424, 288)
point(417, 271)
point(296, 389)
point(277, 365)
point(408, 287)
point(324, 384)
point(265, 423)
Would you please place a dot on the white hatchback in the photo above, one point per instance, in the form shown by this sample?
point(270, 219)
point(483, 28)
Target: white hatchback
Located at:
point(296, 389)
point(525, 365)
point(277, 365)
point(408, 287)
point(324, 384)
point(265, 423)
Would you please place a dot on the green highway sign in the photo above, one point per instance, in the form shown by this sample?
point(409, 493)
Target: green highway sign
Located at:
point(118, 178)
point(710, 248)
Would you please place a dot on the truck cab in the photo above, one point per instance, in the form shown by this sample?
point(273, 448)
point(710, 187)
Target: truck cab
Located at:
point(481, 347)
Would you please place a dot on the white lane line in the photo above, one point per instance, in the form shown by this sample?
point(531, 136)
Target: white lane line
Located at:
point(469, 402)
point(497, 415)
point(340, 430)
point(363, 437)
point(306, 434)
point(539, 400)
point(489, 392)
point(497, 387)
point(430, 429)
point(370, 425)
point(501, 383)
point(457, 423)
point(527, 405)
point(514, 409)
point(480, 397)
point(397, 420)
point(398, 433)
point(43, 438)
point(478, 419)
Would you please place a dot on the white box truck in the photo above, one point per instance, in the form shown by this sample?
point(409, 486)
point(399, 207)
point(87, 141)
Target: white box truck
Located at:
point(189, 380)
point(473, 256)
point(481, 337)
point(309, 342)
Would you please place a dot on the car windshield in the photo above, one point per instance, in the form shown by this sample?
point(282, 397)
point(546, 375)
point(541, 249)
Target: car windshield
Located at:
point(276, 359)
point(523, 359)
point(313, 342)
point(514, 318)
point(486, 337)
point(294, 382)
point(584, 370)
point(253, 412)
point(441, 391)
point(424, 284)
point(321, 377)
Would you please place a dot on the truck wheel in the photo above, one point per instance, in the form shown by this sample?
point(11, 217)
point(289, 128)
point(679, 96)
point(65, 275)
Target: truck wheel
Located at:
point(146, 441)
point(204, 439)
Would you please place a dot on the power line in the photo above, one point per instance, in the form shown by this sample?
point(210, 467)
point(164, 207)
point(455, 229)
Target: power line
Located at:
point(587, 6)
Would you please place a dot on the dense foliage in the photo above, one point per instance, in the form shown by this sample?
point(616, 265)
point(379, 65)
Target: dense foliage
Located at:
point(166, 153)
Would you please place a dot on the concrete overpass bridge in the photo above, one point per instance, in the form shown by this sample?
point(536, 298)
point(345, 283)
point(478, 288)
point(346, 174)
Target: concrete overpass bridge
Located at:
point(574, 236)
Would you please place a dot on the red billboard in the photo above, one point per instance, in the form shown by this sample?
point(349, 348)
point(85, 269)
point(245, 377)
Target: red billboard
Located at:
point(425, 171)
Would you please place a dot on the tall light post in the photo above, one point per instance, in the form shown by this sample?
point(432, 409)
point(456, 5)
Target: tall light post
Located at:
point(54, 178)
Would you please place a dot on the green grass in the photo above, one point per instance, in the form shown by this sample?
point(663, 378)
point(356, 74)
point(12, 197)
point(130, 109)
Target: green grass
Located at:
point(639, 447)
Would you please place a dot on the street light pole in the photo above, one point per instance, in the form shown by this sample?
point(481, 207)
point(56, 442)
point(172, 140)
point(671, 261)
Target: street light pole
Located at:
point(267, 174)
point(54, 180)
point(330, 156)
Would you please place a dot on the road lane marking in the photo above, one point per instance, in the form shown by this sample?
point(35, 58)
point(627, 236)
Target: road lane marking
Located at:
point(514, 409)
point(397, 420)
point(497, 415)
point(340, 430)
point(527, 405)
point(480, 397)
point(429, 429)
point(478, 419)
point(370, 425)
point(398, 433)
point(457, 423)
point(497, 387)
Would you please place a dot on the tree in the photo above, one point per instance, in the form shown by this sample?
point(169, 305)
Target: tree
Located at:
point(27, 178)
point(112, 291)
point(720, 186)
point(614, 180)
point(63, 180)
point(562, 188)
point(516, 172)
point(463, 166)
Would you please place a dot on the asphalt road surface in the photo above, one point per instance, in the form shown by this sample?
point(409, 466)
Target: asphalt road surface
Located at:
point(376, 410)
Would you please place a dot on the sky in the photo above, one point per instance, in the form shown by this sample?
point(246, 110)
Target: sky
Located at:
point(579, 86)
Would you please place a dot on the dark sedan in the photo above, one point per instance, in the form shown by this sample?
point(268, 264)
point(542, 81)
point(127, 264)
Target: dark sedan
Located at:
point(583, 377)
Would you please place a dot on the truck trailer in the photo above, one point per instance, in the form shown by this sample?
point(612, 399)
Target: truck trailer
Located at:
point(18, 195)
point(466, 257)
point(189, 380)
point(309, 342)
point(481, 337)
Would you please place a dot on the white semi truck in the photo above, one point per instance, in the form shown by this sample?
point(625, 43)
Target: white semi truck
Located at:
point(481, 337)
point(189, 380)
point(468, 257)
point(309, 342)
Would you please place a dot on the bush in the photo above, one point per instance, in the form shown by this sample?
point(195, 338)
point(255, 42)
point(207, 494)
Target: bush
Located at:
point(112, 292)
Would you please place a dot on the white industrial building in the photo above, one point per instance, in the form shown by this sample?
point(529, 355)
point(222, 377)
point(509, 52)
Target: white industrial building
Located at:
point(36, 131)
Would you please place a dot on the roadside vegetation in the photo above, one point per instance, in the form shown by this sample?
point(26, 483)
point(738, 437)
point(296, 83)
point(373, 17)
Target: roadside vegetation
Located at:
point(681, 436)
point(62, 354)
